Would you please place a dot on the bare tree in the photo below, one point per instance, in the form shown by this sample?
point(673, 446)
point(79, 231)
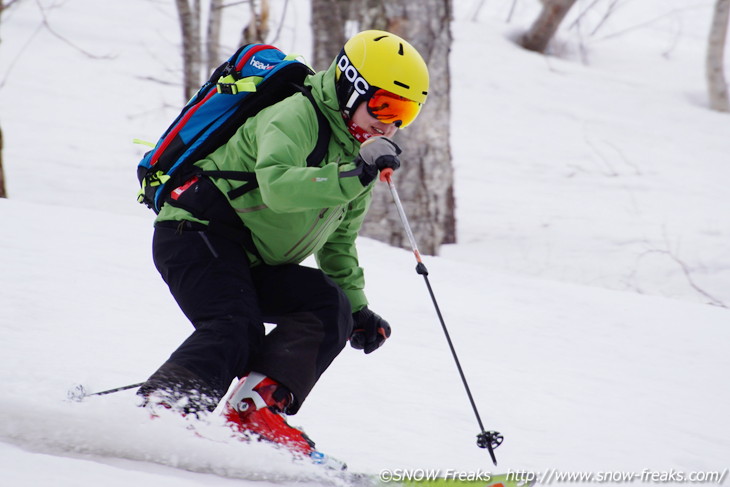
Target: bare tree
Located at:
point(189, 16)
point(538, 37)
point(425, 180)
point(4, 5)
point(3, 193)
point(715, 67)
point(201, 54)
point(258, 27)
point(45, 24)
point(213, 37)
point(328, 26)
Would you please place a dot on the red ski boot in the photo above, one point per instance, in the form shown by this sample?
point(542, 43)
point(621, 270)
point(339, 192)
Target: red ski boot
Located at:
point(255, 407)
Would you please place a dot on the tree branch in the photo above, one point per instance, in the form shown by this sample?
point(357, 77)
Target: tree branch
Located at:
point(47, 25)
point(712, 300)
point(687, 274)
point(281, 23)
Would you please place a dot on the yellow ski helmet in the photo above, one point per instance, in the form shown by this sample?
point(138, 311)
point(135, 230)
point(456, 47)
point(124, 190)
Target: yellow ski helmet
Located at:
point(384, 70)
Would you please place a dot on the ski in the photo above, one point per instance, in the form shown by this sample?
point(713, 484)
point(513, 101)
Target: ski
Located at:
point(214, 429)
point(332, 471)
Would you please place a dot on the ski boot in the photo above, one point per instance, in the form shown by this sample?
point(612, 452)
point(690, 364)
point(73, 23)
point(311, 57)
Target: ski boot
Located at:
point(256, 407)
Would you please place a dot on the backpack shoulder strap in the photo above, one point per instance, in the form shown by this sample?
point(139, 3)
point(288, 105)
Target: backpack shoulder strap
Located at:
point(324, 132)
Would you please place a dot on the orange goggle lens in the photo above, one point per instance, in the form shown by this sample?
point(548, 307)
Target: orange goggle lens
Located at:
point(390, 108)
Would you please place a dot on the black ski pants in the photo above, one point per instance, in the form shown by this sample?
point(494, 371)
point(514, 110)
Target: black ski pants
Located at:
point(227, 301)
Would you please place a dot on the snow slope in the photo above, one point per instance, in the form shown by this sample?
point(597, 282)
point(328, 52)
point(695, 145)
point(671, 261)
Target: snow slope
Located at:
point(584, 183)
point(617, 158)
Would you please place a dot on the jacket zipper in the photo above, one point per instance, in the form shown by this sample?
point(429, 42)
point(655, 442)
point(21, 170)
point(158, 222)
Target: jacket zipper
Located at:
point(310, 238)
point(307, 233)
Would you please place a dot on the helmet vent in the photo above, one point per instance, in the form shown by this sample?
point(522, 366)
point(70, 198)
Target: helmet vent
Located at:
point(402, 85)
point(379, 38)
point(400, 49)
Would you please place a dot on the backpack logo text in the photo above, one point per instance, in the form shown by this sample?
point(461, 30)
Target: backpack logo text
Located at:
point(259, 65)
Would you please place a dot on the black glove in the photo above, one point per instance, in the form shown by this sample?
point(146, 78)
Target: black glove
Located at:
point(370, 330)
point(376, 154)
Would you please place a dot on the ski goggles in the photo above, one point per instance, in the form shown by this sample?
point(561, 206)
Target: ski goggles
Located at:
point(391, 108)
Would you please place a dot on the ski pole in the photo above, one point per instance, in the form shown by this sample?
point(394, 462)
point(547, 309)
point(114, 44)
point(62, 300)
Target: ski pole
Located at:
point(78, 392)
point(485, 439)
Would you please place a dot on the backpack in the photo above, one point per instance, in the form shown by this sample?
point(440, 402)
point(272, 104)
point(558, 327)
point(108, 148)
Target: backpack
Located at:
point(255, 77)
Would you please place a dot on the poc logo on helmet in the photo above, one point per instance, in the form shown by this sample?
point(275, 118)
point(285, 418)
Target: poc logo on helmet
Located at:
point(350, 72)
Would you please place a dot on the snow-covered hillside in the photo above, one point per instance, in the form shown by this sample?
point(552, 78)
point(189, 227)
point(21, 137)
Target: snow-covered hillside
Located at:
point(593, 228)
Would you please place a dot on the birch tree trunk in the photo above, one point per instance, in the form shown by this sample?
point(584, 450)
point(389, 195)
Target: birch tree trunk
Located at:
point(3, 193)
point(4, 4)
point(213, 36)
point(189, 16)
point(199, 53)
point(546, 25)
point(2, 172)
point(715, 66)
point(425, 179)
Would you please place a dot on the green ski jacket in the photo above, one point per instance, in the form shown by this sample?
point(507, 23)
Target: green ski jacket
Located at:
point(297, 211)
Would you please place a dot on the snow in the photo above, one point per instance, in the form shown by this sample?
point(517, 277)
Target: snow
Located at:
point(587, 296)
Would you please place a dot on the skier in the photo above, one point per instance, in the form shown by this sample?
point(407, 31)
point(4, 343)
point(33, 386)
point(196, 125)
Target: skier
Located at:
point(234, 264)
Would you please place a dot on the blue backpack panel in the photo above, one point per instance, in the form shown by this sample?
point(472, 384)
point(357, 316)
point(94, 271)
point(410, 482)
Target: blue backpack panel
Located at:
point(255, 77)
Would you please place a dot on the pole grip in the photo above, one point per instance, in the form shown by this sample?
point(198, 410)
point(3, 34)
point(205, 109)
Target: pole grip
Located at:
point(385, 175)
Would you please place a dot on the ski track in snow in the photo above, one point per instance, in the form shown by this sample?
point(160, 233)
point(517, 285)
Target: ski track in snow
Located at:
point(87, 431)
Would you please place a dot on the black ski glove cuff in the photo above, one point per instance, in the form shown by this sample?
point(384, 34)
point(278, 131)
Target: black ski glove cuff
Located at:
point(370, 331)
point(375, 155)
point(368, 173)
